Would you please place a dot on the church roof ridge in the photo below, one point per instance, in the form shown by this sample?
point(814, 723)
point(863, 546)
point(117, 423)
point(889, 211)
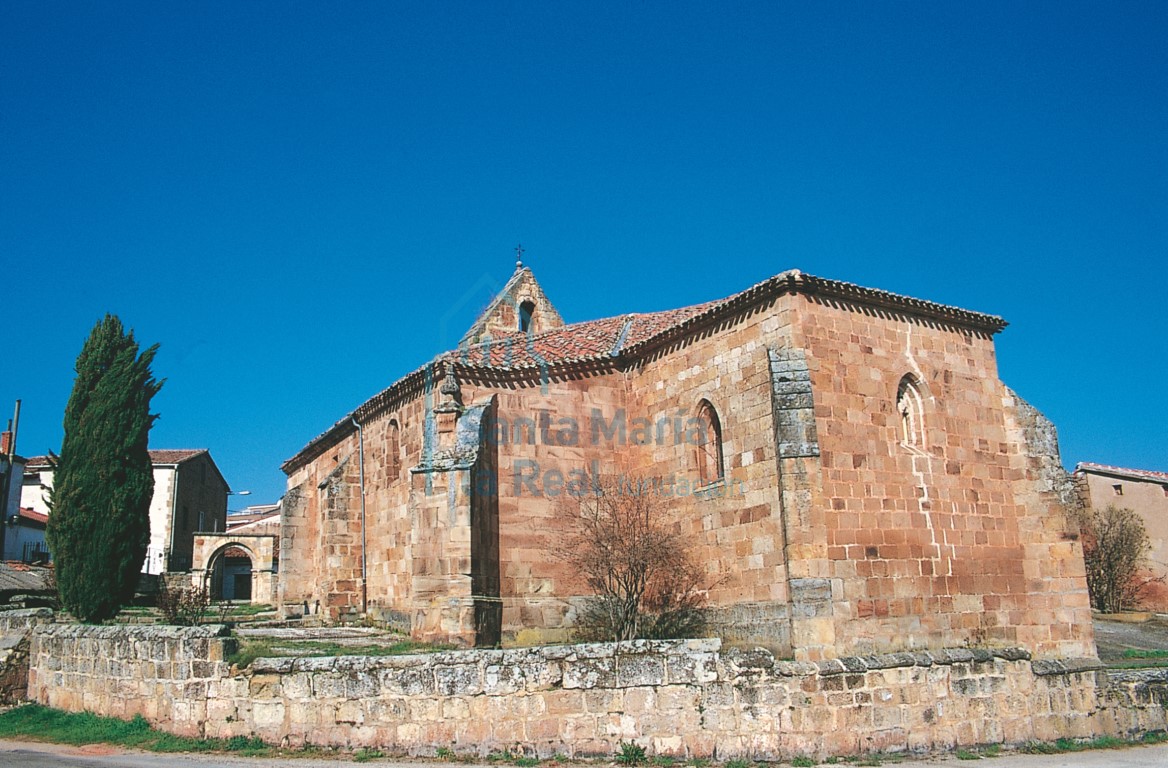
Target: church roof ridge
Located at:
point(606, 341)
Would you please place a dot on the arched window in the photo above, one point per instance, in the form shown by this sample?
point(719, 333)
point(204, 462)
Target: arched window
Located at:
point(526, 310)
point(910, 409)
point(708, 450)
point(393, 451)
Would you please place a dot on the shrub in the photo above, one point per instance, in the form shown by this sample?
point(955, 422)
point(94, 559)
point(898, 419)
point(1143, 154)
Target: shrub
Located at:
point(637, 563)
point(184, 605)
point(1115, 545)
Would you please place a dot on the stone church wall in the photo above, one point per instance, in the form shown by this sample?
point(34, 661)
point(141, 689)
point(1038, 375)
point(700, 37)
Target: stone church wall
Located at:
point(831, 533)
point(679, 698)
point(956, 539)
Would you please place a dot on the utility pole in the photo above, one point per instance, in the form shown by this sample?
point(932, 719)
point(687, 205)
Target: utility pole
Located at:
point(9, 450)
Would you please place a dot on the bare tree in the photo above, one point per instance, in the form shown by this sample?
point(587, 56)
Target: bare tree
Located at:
point(1115, 545)
point(618, 539)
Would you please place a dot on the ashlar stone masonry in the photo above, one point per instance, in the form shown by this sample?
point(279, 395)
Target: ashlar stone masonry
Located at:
point(865, 483)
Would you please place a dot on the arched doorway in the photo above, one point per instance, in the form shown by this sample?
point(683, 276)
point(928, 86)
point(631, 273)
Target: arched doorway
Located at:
point(231, 574)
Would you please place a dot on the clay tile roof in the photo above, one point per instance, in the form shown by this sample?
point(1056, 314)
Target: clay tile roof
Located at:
point(1136, 474)
point(598, 342)
point(592, 339)
point(165, 456)
point(174, 455)
point(33, 463)
point(34, 516)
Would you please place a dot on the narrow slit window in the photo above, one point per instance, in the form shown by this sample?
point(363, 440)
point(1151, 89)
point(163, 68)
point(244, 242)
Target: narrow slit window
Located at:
point(708, 450)
point(910, 410)
point(393, 451)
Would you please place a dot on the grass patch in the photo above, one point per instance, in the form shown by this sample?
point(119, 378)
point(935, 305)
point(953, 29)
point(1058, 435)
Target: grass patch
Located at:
point(802, 761)
point(364, 755)
point(1139, 653)
point(1103, 742)
point(35, 722)
point(737, 764)
point(965, 754)
point(631, 754)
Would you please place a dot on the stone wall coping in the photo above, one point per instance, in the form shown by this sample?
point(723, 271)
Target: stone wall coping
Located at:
point(488, 657)
point(1044, 667)
point(132, 631)
point(734, 661)
point(1144, 675)
point(27, 613)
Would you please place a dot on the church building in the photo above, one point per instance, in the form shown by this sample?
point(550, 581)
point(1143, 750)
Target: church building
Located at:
point(845, 462)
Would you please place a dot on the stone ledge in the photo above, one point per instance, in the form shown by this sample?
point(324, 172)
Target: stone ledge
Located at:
point(1047, 667)
point(131, 631)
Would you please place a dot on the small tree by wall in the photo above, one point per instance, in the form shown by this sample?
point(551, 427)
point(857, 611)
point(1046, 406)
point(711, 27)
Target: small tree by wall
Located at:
point(99, 527)
point(647, 584)
point(1115, 544)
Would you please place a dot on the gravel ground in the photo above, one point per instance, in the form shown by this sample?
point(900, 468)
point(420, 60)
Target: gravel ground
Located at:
point(1115, 637)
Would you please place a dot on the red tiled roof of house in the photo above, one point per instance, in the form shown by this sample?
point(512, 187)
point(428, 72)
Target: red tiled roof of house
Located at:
point(163, 456)
point(34, 516)
point(36, 462)
point(1107, 469)
point(626, 336)
point(174, 455)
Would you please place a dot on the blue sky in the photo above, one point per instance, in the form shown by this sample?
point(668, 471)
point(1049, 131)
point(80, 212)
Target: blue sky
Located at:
point(302, 201)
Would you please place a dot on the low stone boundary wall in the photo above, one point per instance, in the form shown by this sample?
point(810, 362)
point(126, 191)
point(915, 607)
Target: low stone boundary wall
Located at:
point(684, 698)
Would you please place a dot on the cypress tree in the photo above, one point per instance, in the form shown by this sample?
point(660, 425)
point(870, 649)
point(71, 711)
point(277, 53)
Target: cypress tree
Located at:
point(99, 526)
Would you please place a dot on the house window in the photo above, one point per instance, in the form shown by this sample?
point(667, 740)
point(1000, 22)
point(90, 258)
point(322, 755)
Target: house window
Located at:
point(1118, 488)
point(910, 409)
point(526, 310)
point(708, 450)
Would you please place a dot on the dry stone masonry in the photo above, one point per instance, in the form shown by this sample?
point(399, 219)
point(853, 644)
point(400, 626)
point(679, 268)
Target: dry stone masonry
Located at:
point(684, 698)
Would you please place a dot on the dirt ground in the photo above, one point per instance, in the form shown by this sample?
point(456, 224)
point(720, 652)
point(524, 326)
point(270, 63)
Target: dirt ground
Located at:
point(1115, 637)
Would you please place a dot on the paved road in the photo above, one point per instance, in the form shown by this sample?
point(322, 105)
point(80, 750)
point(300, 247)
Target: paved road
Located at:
point(31, 755)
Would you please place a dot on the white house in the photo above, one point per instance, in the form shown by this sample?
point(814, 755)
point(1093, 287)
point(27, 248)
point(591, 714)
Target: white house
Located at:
point(190, 495)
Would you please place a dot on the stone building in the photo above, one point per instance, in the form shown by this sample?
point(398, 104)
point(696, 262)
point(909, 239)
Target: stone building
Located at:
point(862, 480)
point(1146, 493)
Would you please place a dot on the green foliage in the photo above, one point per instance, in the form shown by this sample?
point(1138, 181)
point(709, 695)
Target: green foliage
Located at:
point(802, 761)
point(100, 526)
point(444, 753)
point(525, 762)
point(631, 754)
point(965, 754)
point(737, 764)
point(664, 761)
point(1140, 653)
point(33, 721)
point(364, 755)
